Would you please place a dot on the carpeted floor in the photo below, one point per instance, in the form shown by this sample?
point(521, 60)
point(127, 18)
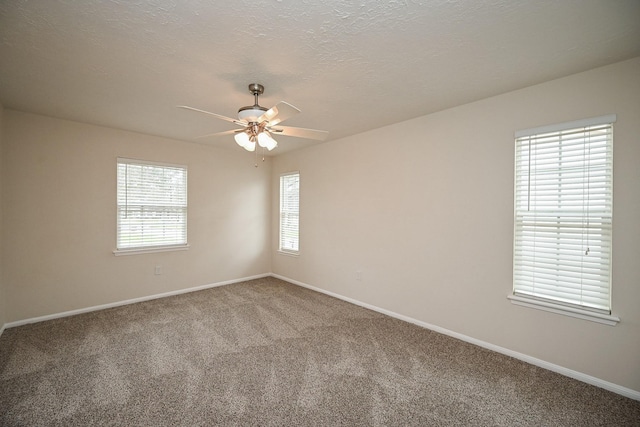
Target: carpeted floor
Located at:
point(268, 353)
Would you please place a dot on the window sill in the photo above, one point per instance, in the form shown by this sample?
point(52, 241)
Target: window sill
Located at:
point(150, 250)
point(605, 319)
point(288, 253)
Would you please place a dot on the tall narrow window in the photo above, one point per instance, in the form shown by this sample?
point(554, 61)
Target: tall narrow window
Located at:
point(289, 212)
point(152, 205)
point(563, 213)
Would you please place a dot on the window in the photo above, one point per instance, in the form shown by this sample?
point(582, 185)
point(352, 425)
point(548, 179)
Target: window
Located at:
point(563, 213)
point(289, 212)
point(152, 206)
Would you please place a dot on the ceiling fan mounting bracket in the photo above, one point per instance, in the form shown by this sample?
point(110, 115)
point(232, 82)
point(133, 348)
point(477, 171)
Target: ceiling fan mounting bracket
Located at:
point(256, 89)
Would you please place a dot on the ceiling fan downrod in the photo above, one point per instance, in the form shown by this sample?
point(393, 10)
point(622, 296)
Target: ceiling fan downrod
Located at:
point(256, 89)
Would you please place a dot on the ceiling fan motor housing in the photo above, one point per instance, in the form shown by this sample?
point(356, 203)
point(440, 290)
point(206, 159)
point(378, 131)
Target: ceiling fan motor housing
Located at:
point(251, 113)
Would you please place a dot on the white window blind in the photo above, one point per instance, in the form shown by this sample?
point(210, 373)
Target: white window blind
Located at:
point(563, 213)
point(289, 212)
point(152, 205)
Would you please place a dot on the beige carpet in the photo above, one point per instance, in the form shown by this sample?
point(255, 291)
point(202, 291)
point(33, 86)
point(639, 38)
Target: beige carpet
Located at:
point(268, 353)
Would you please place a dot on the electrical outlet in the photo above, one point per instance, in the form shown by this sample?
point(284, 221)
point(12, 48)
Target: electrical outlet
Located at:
point(358, 275)
point(158, 270)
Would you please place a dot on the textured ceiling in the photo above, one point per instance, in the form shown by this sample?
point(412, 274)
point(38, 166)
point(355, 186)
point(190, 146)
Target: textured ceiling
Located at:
point(350, 66)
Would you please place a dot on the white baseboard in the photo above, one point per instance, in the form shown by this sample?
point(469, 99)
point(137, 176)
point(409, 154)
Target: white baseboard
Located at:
point(615, 388)
point(129, 301)
point(2, 328)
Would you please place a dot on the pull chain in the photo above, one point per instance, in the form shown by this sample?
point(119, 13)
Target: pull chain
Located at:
point(256, 163)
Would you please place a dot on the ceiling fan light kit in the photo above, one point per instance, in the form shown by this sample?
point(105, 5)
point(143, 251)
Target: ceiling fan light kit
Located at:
point(244, 141)
point(260, 124)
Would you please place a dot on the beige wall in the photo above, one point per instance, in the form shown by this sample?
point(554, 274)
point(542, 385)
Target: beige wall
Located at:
point(3, 306)
point(424, 209)
point(59, 192)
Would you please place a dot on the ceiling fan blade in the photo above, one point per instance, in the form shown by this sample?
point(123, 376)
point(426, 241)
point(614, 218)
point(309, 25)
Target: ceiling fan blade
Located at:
point(228, 119)
point(319, 135)
point(278, 113)
point(227, 132)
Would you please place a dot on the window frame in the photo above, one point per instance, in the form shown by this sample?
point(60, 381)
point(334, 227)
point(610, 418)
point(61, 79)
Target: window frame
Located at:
point(151, 248)
point(282, 208)
point(551, 301)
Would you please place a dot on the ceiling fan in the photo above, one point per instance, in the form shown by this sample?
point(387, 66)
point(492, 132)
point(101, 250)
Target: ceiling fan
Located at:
point(259, 125)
